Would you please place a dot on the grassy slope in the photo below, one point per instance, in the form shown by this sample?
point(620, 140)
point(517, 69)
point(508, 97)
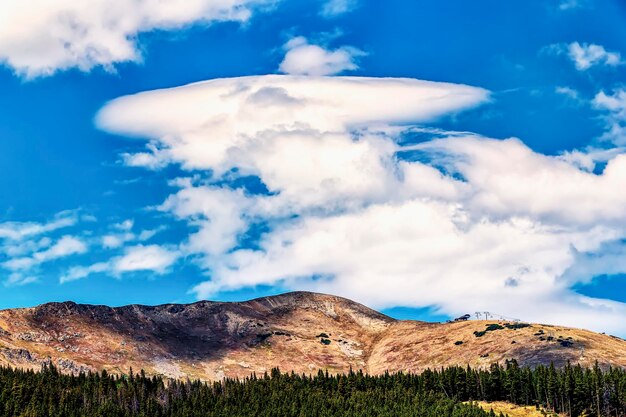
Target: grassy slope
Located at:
point(513, 410)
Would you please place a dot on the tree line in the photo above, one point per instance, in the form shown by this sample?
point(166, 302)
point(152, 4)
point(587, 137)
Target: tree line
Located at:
point(572, 390)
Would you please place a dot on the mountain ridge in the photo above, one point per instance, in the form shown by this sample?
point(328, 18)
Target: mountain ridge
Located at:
point(298, 331)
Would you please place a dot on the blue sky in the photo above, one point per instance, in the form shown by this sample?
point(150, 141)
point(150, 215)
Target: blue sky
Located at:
point(410, 197)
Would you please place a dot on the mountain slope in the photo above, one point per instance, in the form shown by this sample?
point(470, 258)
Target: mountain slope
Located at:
point(297, 331)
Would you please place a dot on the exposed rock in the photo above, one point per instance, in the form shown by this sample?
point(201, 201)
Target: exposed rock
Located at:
point(72, 367)
point(18, 355)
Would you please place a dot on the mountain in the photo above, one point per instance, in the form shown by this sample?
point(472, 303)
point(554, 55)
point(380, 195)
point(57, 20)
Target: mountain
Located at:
point(297, 331)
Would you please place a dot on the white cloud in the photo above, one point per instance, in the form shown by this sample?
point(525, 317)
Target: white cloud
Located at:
point(571, 4)
point(17, 280)
point(140, 258)
point(22, 267)
point(587, 55)
point(614, 105)
point(145, 258)
point(26, 245)
point(332, 8)
point(236, 110)
point(21, 230)
point(116, 241)
point(571, 94)
point(149, 233)
point(353, 210)
point(23, 247)
point(218, 214)
point(39, 37)
point(509, 179)
point(148, 160)
point(609, 260)
point(65, 246)
point(126, 225)
point(122, 233)
point(303, 58)
point(79, 272)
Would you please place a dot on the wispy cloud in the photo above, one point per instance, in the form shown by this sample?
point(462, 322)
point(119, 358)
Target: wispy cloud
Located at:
point(24, 269)
point(145, 258)
point(614, 107)
point(65, 246)
point(122, 233)
point(333, 8)
point(587, 55)
point(568, 92)
point(16, 231)
point(24, 246)
point(572, 4)
point(154, 258)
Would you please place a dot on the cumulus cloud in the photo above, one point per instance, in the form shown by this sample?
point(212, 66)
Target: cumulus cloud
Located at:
point(587, 55)
point(354, 206)
point(303, 58)
point(332, 8)
point(39, 37)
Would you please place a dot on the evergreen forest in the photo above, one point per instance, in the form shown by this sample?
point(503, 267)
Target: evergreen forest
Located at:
point(572, 391)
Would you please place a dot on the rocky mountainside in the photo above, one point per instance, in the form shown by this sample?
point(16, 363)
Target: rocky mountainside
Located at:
point(297, 331)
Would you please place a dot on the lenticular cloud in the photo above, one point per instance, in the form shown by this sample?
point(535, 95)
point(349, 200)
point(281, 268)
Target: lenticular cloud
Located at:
point(353, 206)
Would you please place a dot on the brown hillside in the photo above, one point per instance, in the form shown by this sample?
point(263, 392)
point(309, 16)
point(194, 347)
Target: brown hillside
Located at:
point(297, 331)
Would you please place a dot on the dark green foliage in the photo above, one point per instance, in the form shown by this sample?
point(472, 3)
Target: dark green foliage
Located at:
point(490, 328)
point(573, 391)
point(515, 326)
point(458, 342)
point(262, 337)
point(325, 341)
point(49, 393)
point(324, 335)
